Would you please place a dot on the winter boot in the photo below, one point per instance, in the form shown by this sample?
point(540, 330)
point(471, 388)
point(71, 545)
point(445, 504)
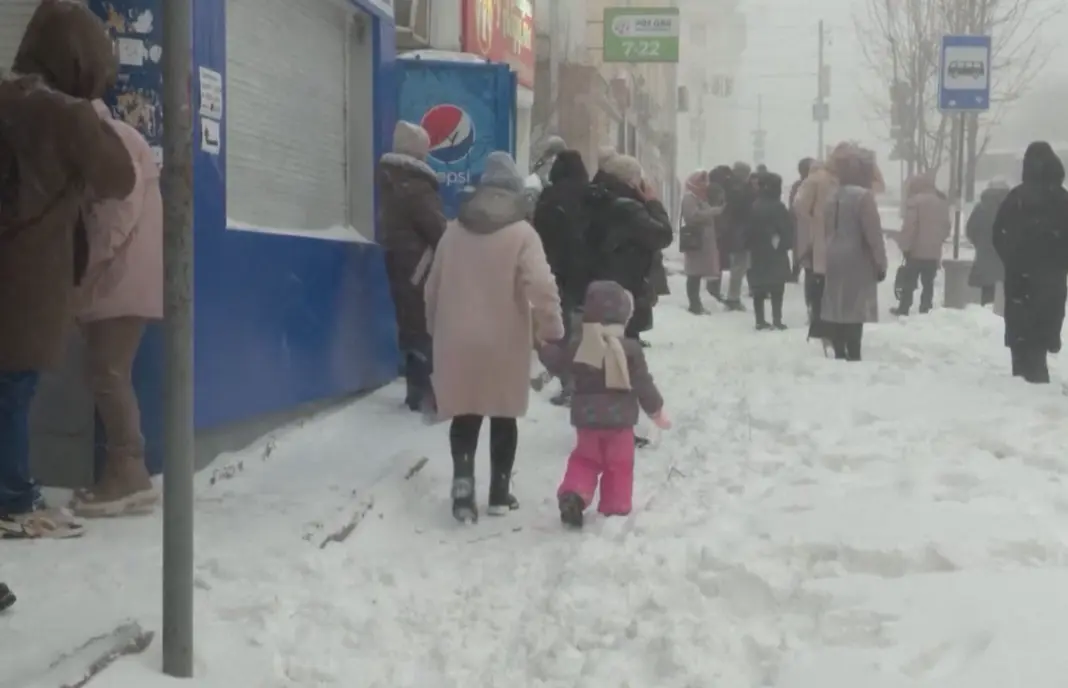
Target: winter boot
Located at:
point(7, 598)
point(571, 510)
point(464, 508)
point(780, 325)
point(735, 306)
point(641, 442)
point(501, 499)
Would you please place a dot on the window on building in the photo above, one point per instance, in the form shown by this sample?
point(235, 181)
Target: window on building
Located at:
point(299, 120)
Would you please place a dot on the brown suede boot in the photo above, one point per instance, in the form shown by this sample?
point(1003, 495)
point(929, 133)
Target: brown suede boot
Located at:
point(125, 489)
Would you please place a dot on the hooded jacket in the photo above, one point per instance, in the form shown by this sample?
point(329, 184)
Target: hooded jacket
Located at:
point(56, 154)
point(1031, 237)
point(594, 404)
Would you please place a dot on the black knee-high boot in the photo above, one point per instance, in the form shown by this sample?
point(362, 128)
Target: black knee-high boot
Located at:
point(504, 441)
point(463, 443)
point(693, 293)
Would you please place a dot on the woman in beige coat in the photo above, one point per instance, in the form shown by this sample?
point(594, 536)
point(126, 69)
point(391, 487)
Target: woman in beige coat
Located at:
point(489, 296)
point(697, 240)
point(925, 227)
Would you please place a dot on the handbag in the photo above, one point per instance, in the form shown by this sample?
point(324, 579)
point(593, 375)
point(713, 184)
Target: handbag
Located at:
point(691, 238)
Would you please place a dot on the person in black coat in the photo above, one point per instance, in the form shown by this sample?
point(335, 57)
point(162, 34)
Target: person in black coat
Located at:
point(987, 269)
point(628, 227)
point(769, 240)
point(561, 218)
point(1031, 237)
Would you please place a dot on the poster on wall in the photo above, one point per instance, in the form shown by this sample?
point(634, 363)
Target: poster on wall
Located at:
point(467, 111)
point(502, 31)
point(211, 93)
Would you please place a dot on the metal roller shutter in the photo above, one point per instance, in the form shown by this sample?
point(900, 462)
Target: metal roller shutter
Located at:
point(14, 16)
point(286, 149)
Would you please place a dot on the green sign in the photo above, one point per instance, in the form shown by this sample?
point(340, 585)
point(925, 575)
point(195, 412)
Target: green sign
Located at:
point(641, 34)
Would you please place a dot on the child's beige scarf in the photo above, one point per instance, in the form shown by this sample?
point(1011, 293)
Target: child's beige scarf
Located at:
point(602, 348)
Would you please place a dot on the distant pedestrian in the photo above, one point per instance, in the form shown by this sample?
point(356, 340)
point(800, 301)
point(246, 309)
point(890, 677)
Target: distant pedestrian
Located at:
point(697, 237)
point(1031, 237)
point(855, 258)
point(769, 240)
point(924, 230)
point(987, 270)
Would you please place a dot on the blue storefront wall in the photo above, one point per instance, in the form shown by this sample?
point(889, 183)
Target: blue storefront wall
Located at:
point(280, 320)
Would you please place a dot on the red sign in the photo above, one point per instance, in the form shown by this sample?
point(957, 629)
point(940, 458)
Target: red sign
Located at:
point(502, 31)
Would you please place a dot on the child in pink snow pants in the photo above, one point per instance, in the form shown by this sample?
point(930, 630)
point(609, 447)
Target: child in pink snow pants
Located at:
point(612, 385)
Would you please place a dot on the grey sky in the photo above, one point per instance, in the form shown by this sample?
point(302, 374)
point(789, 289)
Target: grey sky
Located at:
point(780, 64)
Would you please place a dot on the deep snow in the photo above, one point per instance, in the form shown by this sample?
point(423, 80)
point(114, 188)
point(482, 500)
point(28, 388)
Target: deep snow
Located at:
point(895, 523)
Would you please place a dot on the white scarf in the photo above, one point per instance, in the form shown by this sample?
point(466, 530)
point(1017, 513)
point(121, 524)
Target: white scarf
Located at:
point(602, 348)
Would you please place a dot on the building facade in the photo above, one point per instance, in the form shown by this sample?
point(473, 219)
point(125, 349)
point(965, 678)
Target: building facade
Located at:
point(713, 41)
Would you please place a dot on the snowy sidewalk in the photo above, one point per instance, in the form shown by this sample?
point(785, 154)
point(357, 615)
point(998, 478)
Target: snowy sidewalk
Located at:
point(897, 522)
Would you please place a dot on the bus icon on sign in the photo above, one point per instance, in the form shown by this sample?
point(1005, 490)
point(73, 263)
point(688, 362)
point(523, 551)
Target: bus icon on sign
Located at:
point(972, 69)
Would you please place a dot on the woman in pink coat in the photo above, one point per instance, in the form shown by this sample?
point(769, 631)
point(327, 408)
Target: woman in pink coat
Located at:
point(121, 293)
point(489, 296)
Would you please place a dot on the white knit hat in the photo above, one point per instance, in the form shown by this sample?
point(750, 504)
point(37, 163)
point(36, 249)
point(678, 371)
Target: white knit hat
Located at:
point(411, 139)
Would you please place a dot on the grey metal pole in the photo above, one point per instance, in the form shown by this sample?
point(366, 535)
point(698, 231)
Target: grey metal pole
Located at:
point(820, 96)
point(178, 459)
point(957, 216)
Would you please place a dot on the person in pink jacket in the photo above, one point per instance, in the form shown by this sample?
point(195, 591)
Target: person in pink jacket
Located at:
point(925, 227)
point(121, 293)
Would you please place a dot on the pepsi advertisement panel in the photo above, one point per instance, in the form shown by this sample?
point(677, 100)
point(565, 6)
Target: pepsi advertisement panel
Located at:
point(463, 108)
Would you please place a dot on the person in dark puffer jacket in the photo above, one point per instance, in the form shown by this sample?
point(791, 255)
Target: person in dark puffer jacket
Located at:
point(612, 385)
point(412, 222)
point(7, 598)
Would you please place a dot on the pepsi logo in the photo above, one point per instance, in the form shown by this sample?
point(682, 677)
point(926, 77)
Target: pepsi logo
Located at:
point(451, 131)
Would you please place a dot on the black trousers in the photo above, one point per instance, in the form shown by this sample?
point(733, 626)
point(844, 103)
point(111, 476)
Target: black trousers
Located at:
point(987, 295)
point(773, 294)
point(1031, 364)
point(504, 439)
point(924, 272)
point(846, 339)
point(814, 285)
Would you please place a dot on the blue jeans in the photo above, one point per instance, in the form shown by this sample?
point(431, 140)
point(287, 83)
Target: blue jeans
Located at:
point(18, 491)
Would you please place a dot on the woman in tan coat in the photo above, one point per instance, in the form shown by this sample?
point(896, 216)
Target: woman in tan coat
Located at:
point(697, 240)
point(925, 227)
point(489, 296)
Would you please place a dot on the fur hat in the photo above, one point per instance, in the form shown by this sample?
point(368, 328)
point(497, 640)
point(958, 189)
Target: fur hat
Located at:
point(502, 173)
point(411, 139)
point(625, 168)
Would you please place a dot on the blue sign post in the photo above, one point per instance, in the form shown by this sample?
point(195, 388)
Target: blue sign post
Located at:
point(963, 88)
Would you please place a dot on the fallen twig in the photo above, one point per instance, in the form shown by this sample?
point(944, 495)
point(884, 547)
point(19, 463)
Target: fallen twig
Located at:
point(343, 534)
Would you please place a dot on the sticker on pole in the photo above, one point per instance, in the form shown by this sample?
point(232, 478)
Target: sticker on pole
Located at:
point(637, 34)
